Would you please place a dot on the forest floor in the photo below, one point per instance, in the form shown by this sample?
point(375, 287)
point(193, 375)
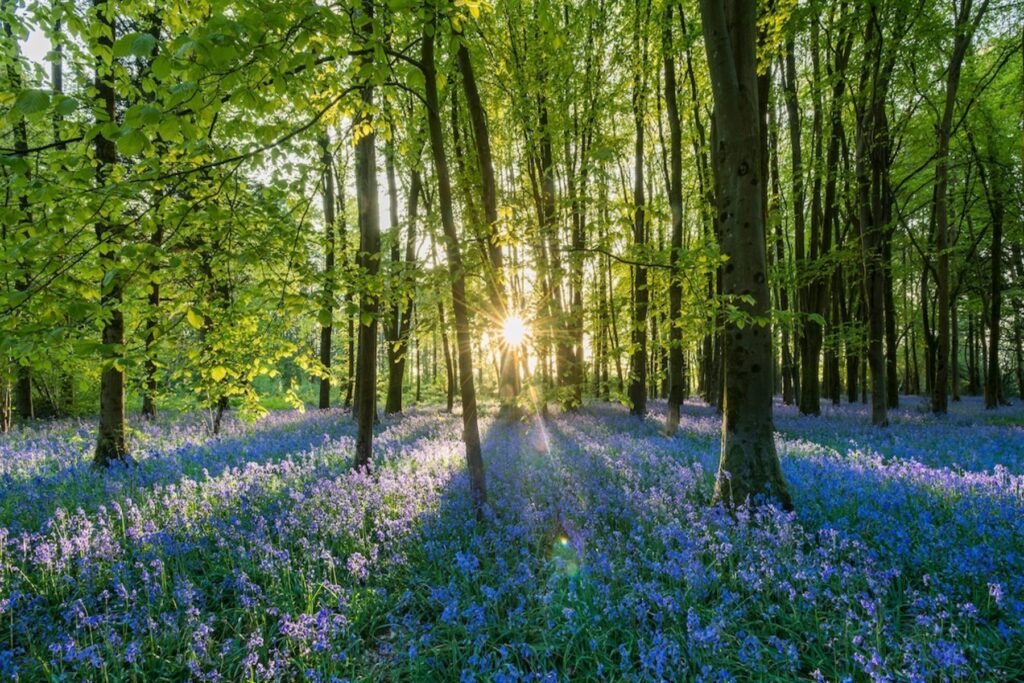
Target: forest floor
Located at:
point(260, 555)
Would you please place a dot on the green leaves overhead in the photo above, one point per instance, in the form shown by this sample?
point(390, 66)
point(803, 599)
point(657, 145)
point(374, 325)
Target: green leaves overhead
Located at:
point(31, 101)
point(135, 44)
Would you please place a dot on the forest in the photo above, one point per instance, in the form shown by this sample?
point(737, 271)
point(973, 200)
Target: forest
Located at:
point(512, 340)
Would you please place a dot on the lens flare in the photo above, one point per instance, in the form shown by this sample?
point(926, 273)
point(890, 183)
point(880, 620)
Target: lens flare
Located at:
point(514, 331)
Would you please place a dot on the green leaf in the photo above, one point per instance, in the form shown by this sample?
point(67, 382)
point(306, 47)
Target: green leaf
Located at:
point(31, 101)
point(141, 115)
point(137, 44)
point(143, 45)
point(194, 319)
point(169, 128)
point(131, 144)
point(66, 106)
point(161, 67)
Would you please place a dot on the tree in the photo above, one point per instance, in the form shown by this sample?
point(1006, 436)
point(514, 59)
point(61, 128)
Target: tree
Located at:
point(401, 317)
point(641, 295)
point(495, 263)
point(675, 200)
point(327, 311)
point(365, 401)
point(463, 342)
point(749, 465)
point(964, 26)
point(110, 440)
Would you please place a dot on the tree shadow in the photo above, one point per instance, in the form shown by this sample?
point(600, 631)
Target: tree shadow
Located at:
point(26, 503)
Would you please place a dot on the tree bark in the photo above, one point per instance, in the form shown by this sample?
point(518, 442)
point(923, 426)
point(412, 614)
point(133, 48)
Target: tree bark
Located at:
point(963, 31)
point(111, 445)
point(23, 406)
point(638, 364)
point(495, 275)
point(398, 348)
point(749, 465)
point(675, 200)
point(365, 402)
point(152, 327)
point(327, 301)
point(470, 428)
point(810, 336)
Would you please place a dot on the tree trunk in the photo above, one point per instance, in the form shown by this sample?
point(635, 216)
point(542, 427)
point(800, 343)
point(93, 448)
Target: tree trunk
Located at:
point(402, 317)
point(954, 349)
point(675, 200)
point(892, 387)
point(449, 371)
point(961, 41)
point(471, 431)
point(993, 379)
point(638, 362)
point(871, 169)
point(152, 326)
point(342, 245)
point(495, 273)
point(327, 302)
point(749, 465)
point(365, 402)
point(110, 442)
point(810, 333)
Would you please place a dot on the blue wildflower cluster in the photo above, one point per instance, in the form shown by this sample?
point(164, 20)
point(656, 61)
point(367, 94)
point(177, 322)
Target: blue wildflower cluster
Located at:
point(260, 555)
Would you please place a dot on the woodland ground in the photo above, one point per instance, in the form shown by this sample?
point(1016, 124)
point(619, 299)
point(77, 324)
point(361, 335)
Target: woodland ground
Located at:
point(260, 555)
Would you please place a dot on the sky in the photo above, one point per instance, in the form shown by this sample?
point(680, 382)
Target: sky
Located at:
point(36, 46)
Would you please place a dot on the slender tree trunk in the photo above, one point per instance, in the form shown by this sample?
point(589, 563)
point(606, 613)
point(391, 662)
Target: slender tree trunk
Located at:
point(892, 385)
point(787, 369)
point(972, 358)
point(111, 445)
point(471, 432)
point(961, 41)
point(402, 321)
point(638, 364)
point(810, 333)
point(152, 327)
point(954, 349)
point(350, 336)
point(327, 302)
point(749, 465)
point(5, 403)
point(495, 273)
point(1018, 308)
point(449, 370)
point(365, 403)
point(871, 165)
point(993, 380)
point(675, 200)
point(23, 406)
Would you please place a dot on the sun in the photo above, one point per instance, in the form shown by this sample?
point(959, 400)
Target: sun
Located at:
point(514, 331)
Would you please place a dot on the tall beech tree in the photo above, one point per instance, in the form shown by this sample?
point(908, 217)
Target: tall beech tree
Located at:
point(399, 332)
point(964, 26)
point(676, 389)
point(495, 259)
point(327, 310)
point(749, 465)
point(641, 295)
point(453, 250)
point(368, 202)
point(111, 445)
